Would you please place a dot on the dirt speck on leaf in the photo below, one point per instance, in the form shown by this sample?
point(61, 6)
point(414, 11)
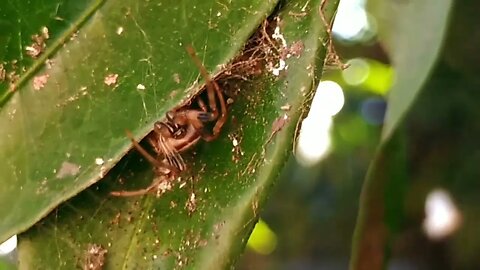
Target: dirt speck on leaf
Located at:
point(286, 107)
point(297, 14)
point(119, 30)
point(38, 45)
point(13, 78)
point(34, 50)
point(40, 81)
point(176, 78)
point(99, 161)
point(110, 79)
point(49, 63)
point(191, 204)
point(95, 257)
point(45, 33)
point(217, 228)
point(3, 73)
point(296, 49)
point(277, 125)
point(237, 152)
point(116, 219)
point(68, 169)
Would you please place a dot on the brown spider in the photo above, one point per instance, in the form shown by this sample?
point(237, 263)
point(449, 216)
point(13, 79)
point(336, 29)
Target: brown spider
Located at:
point(180, 131)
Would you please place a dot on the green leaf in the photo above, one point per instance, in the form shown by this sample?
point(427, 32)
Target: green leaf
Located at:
point(206, 223)
point(61, 137)
point(414, 34)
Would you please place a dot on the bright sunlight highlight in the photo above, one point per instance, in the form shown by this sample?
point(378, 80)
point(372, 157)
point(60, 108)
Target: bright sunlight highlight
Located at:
point(351, 20)
point(442, 217)
point(8, 246)
point(328, 100)
point(314, 139)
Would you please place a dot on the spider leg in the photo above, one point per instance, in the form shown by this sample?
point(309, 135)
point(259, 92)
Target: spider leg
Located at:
point(126, 193)
point(202, 105)
point(223, 114)
point(208, 81)
point(142, 151)
point(223, 107)
point(212, 90)
point(173, 162)
point(139, 192)
point(167, 171)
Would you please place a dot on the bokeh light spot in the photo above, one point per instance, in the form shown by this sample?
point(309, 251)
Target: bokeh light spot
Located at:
point(373, 110)
point(314, 140)
point(262, 240)
point(328, 100)
point(357, 72)
point(351, 21)
point(442, 216)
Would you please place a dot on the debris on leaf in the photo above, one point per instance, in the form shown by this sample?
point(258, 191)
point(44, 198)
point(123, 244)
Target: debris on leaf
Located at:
point(236, 150)
point(332, 58)
point(45, 33)
point(119, 30)
point(163, 187)
point(38, 45)
point(277, 125)
point(111, 79)
point(49, 63)
point(68, 169)
point(191, 204)
point(286, 107)
point(12, 78)
point(281, 65)
point(296, 49)
point(3, 73)
point(297, 14)
point(99, 161)
point(40, 81)
point(34, 50)
point(95, 257)
point(176, 78)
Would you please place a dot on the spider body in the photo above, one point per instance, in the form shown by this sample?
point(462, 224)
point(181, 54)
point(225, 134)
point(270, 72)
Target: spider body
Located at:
point(181, 130)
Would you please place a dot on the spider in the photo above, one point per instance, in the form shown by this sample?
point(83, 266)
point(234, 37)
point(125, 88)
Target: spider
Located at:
point(181, 130)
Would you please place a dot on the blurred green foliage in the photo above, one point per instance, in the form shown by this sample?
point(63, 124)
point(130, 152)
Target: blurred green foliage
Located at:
point(433, 144)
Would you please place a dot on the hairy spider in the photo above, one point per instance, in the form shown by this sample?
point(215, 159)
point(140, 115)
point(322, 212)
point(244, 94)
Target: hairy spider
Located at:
point(181, 130)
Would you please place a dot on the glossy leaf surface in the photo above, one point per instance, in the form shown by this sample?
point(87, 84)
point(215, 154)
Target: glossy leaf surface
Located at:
point(106, 67)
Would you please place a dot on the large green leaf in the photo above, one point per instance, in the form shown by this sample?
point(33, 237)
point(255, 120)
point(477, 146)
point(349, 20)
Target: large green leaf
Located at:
point(227, 183)
point(414, 34)
point(62, 137)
